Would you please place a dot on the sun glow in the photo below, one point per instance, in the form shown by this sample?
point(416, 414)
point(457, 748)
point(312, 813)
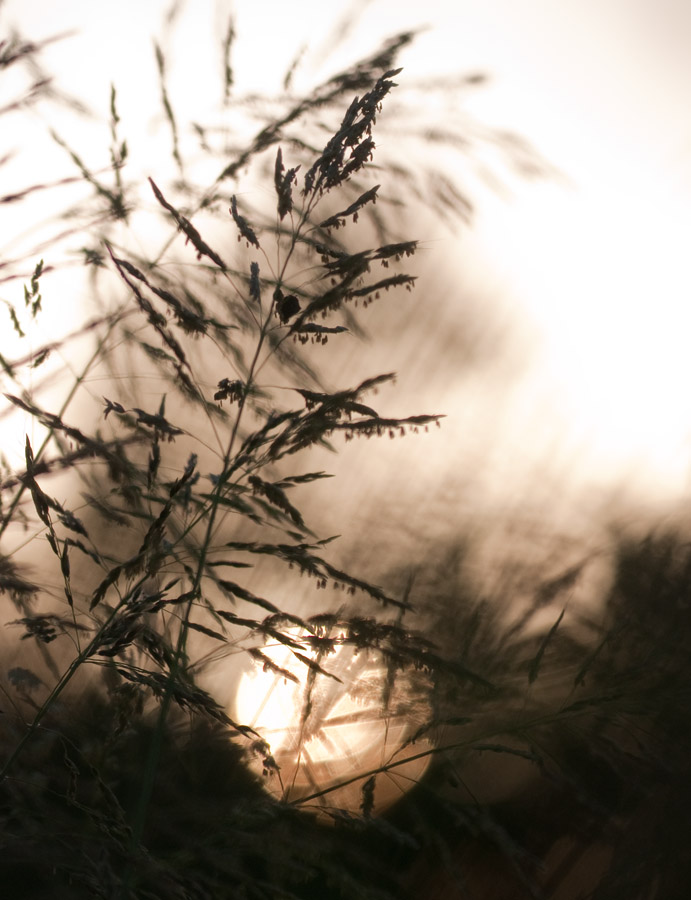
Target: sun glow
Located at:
point(336, 729)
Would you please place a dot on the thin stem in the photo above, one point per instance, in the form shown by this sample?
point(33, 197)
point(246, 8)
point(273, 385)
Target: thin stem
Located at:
point(210, 512)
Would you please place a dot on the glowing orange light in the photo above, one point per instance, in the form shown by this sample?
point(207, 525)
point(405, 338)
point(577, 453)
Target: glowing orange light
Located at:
point(330, 733)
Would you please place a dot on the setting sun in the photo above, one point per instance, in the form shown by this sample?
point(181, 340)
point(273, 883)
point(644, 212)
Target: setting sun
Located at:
point(337, 728)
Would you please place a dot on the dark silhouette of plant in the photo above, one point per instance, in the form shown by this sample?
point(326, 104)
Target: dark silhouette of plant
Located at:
point(133, 605)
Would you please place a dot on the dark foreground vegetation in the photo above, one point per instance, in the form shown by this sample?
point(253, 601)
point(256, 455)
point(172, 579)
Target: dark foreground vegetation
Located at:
point(157, 501)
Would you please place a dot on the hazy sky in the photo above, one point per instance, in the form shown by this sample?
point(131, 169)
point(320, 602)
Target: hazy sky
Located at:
point(597, 259)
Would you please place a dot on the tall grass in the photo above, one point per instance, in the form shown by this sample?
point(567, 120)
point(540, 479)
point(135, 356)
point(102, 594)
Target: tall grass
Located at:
point(184, 546)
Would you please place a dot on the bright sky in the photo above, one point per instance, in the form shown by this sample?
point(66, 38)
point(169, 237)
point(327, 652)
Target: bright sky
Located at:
point(597, 259)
